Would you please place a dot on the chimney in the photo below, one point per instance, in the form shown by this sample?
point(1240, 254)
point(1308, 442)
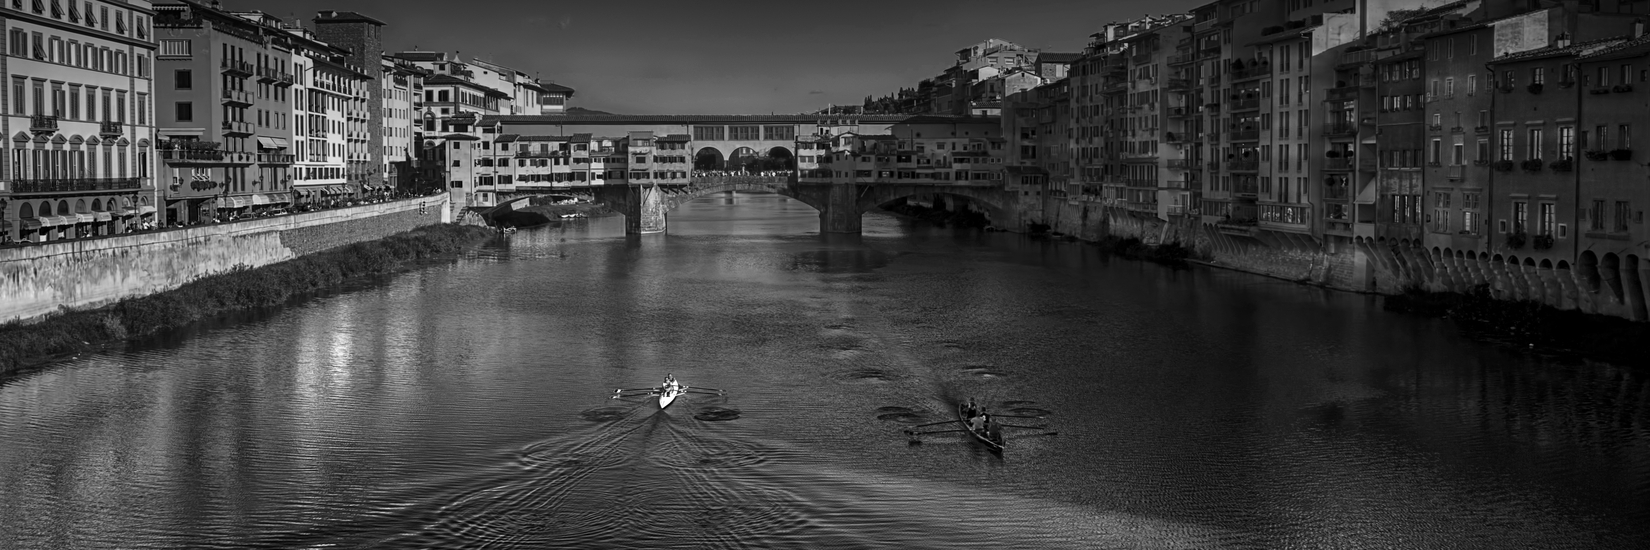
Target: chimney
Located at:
point(1638, 28)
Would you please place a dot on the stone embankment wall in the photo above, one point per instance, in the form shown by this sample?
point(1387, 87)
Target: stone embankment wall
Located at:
point(1611, 287)
point(41, 279)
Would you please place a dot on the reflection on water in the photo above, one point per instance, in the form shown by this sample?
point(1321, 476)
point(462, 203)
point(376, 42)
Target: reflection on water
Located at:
point(465, 405)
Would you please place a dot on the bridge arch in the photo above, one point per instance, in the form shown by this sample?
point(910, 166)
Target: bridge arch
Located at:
point(709, 159)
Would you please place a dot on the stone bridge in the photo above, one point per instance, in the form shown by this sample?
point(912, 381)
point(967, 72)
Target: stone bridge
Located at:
point(840, 205)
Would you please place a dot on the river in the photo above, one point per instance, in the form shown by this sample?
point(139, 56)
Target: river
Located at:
point(465, 405)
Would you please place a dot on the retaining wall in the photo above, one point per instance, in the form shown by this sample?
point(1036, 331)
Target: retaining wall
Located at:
point(41, 279)
point(1615, 287)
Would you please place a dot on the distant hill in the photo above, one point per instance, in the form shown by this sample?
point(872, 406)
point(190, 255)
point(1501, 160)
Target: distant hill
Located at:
point(584, 111)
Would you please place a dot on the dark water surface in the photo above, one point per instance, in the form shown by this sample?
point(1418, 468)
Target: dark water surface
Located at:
point(465, 406)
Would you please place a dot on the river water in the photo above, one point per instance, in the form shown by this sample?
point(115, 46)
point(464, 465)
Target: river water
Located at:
point(465, 405)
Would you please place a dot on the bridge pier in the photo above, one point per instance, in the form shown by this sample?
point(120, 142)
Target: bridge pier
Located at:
point(839, 212)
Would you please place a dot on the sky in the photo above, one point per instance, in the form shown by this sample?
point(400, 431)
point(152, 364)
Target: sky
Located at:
point(725, 56)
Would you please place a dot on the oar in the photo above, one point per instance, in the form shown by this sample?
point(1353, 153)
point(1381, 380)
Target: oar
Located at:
point(703, 388)
point(1012, 416)
point(620, 390)
point(934, 423)
point(910, 432)
point(1019, 426)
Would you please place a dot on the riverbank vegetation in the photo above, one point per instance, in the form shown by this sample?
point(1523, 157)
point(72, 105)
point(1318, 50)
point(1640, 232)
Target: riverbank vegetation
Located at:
point(24, 345)
point(1531, 325)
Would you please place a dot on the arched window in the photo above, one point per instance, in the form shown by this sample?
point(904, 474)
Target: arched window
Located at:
point(25, 211)
point(45, 208)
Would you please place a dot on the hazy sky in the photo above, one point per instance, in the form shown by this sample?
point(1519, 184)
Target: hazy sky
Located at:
point(726, 56)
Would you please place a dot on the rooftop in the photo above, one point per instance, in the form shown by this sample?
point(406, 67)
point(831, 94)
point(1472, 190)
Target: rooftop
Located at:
point(331, 16)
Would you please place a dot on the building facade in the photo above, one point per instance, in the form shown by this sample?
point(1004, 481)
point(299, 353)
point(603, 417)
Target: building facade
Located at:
point(78, 119)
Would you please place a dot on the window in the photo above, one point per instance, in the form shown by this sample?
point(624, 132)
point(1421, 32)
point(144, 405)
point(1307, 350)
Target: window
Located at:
point(1449, 87)
point(185, 111)
point(1538, 75)
point(1521, 216)
point(1566, 142)
point(1624, 210)
point(1624, 134)
point(1472, 84)
point(1548, 218)
point(1534, 149)
point(1483, 153)
point(1458, 153)
point(1603, 77)
point(1440, 212)
point(1469, 213)
point(1505, 145)
point(183, 79)
point(1432, 153)
point(1595, 215)
point(1601, 134)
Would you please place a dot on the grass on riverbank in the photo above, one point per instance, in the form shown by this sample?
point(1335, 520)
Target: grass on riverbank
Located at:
point(1531, 325)
point(22, 345)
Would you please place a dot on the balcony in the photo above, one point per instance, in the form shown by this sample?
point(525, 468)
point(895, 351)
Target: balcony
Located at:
point(1339, 164)
point(43, 124)
point(1251, 72)
point(1249, 103)
point(1179, 112)
point(1213, 165)
point(1454, 171)
point(75, 185)
point(1182, 58)
point(1180, 164)
point(1179, 85)
point(1245, 186)
point(204, 156)
point(1340, 128)
point(1343, 93)
point(275, 158)
point(109, 129)
point(238, 68)
point(285, 79)
point(236, 127)
point(1339, 192)
point(1175, 138)
point(1245, 135)
point(1244, 165)
point(237, 97)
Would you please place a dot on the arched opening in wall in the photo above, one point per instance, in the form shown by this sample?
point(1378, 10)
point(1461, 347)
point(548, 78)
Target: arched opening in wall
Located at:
point(1609, 273)
point(45, 208)
point(1498, 259)
point(1545, 264)
point(97, 205)
point(1635, 290)
point(1529, 262)
point(779, 159)
point(1589, 271)
point(80, 206)
point(63, 208)
point(709, 159)
point(25, 212)
point(743, 159)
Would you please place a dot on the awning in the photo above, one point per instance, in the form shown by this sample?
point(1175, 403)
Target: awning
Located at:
point(238, 202)
point(279, 198)
point(129, 211)
point(102, 216)
point(146, 209)
point(54, 221)
point(272, 142)
point(31, 223)
point(260, 199)
point(84, 218)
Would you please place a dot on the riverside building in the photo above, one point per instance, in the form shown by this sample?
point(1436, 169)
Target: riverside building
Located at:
point(78, 95)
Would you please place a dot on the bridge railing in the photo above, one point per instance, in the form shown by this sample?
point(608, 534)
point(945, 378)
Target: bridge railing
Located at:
point(724, 179)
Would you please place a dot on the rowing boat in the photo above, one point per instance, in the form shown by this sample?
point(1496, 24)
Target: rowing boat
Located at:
point(668, 393)
point(993, 443)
